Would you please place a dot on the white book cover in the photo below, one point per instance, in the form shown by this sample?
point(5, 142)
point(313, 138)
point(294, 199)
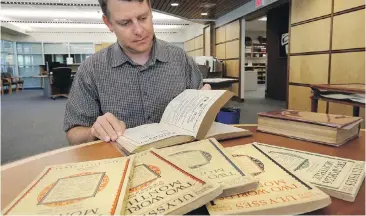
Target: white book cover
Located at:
point(338, 177)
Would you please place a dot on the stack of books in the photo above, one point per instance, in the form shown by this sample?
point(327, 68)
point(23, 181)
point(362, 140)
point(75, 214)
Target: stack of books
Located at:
point(249, 179)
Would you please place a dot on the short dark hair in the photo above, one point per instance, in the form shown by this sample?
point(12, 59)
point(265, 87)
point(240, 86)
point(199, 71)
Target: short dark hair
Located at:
point(103, 5)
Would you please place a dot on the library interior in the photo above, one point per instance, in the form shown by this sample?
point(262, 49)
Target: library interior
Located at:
point(246, 104)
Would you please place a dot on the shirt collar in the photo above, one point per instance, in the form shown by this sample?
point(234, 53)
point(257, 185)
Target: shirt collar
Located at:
point(158, 53)
point(118, 56)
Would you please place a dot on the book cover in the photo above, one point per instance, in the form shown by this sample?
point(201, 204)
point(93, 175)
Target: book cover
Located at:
point(86, 188)
point(330, 120)
point(279, 191)
point(209, 159)
point(338, 177)
point(161, 187)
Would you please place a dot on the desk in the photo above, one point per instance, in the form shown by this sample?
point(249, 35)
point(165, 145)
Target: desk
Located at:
point(17, 175)
point(323, 89)
point(220, 83)
point(45, 84)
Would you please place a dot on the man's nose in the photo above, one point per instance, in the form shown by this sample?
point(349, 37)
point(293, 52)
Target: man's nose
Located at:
point(137, 28)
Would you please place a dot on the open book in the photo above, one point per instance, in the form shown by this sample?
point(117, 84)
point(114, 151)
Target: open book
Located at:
point(187, 117)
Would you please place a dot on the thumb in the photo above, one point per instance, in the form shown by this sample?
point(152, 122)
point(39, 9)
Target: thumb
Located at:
point(206, 87)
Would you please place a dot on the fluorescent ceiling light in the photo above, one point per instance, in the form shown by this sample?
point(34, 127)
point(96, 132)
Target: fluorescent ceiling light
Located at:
point(68, 14)
point(161, 16)
point(174, 4)
point(263, 19)
point(59, 14)
point(204, 14)
point(80, 26)
point(157, 26)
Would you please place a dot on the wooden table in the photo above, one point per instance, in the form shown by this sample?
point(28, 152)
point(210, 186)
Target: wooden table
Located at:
point(17, 175)
point(218, 83)
point(354, 88)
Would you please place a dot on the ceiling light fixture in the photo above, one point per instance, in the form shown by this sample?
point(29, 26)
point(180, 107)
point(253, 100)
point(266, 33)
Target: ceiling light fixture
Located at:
point(204, 14)
point(68, 14)
point(174, 4)
point(263, 19)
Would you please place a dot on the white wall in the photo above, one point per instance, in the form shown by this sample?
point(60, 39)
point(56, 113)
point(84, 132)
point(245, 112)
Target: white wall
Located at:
point(8, 36)
point(193, 30)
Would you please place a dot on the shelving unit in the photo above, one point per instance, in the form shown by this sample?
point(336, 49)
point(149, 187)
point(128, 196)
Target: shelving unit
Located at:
point(256, 60)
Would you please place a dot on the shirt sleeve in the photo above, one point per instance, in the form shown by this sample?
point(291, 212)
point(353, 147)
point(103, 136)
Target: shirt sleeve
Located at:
point(83, 106)
point(194, 80)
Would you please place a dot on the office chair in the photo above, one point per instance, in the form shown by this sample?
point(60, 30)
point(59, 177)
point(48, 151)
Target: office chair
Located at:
point(61, 82)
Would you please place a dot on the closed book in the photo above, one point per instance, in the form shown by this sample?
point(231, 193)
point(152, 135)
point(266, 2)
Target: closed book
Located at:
point(87, 188)
point(338, 177)
point(159, 186)
point(210, 160)
point(321, 128)
point(279, 190)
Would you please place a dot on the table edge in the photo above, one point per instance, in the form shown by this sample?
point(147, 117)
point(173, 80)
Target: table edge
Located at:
point(45, 154)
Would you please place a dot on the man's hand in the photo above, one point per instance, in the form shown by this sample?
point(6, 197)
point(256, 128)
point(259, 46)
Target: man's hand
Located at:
point(108, 128)
point(206, 87)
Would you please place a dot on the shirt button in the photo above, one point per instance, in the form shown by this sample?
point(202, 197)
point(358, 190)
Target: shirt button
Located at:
point(149, 117)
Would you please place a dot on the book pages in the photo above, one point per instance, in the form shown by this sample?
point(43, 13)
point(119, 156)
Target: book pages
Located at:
point(161, 187)
point(226, 131)
point(209, 159)
point(189, 108)
point(87, 188)
point(279, 191)
point(339, 177)
point(150, 133)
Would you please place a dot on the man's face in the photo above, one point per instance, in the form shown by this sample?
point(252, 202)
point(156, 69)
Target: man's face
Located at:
point(132, 24)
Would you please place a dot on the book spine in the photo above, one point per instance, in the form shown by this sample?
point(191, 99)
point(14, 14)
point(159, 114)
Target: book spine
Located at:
point(227, 158)
point(177, 168)
point(283, 168)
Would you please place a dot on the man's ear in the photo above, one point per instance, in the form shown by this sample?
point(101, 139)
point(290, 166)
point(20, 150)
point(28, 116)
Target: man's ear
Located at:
point(108, 23)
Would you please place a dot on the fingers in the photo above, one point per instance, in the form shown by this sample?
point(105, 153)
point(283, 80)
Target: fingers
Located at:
point(118, 126)
point(100, 132)
point(206, 87)
point(104, 122)
point(108, 128)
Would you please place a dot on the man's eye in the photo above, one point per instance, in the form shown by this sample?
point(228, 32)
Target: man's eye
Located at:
point(143, 18)
point(124, 23)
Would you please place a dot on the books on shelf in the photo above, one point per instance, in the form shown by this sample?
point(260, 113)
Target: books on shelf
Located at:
point(338, 177)
point(187, 117)
point(322, 128)
point(95, 187)
point(279, 191)
point(160, 186)
point(209, 159)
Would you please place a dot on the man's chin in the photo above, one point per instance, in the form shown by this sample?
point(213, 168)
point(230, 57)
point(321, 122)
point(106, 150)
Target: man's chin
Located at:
point(138, 50)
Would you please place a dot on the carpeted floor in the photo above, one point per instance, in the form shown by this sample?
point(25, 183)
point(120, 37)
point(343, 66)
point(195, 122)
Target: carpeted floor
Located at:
point(32, 124)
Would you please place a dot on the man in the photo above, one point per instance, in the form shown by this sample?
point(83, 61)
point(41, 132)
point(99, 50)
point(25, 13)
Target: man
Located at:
point(129, 83)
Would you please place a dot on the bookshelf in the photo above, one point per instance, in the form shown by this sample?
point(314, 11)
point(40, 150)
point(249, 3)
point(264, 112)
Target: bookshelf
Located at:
point(256, 60)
